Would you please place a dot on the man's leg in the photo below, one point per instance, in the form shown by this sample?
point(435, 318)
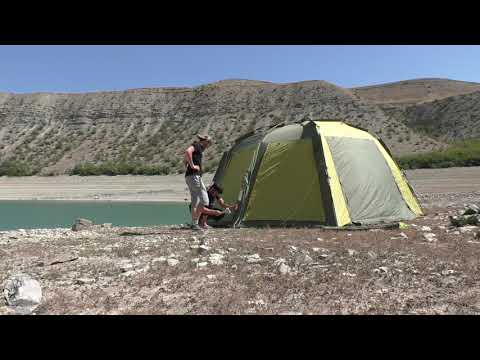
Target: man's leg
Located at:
point(194, 187)
point(203, 220)
point(210, 212)
point(204, 211)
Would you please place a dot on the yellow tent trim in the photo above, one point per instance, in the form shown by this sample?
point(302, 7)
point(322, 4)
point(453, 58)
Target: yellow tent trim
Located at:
point(400, 180)
point(338, 128)
point(339, 203)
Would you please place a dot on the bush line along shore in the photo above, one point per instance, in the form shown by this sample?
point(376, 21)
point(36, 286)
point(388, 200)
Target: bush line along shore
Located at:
point(459, 154)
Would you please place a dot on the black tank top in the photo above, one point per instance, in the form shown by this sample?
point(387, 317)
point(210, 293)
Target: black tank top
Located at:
point(196, 159)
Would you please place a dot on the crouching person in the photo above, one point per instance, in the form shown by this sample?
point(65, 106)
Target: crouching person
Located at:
point(214, 195)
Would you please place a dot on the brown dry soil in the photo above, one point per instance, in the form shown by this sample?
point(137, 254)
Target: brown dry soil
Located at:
point(170, 270)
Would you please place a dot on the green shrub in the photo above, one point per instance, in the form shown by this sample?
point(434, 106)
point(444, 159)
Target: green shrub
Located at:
point(112, 168)
point(461, 153)
point(16, 168)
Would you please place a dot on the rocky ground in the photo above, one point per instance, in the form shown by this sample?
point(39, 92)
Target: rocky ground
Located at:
point(429, 267)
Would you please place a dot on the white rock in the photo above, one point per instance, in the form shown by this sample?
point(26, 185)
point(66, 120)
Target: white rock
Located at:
point(430, 237)
point(216, 259)
point(195, 260)
point(211, 277)
point(172, 262)
point(319, 239)
point(128, 273)
point(232, 249)
point(352, 252)
point(315, 249)
point(284, 268)
point(467, 229)
point(349, 274)
point(425, 228)
point(448, 272)
point(204, 247)
point(202, 264)
point(159, 259)
point(23, 292)
point(404, 235)
point(258, 302)
point(135, 252)
point(126, 267)
point(253, 258)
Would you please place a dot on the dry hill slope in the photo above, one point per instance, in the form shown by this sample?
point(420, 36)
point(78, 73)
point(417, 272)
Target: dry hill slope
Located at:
point(445, 109)
point(416, 91)
point(55, 131)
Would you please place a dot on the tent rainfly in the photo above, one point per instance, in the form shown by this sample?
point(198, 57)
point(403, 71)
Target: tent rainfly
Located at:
point(313, 173)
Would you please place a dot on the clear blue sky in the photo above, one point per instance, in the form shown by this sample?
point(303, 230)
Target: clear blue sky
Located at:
point(94, 68)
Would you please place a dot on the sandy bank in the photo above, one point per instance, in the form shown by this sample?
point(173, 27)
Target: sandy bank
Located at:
point(171, 188)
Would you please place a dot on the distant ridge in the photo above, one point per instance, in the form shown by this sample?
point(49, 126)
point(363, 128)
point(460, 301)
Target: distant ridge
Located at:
point(56, 131)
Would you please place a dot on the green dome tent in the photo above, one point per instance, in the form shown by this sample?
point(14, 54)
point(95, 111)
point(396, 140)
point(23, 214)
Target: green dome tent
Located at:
point(313, 173)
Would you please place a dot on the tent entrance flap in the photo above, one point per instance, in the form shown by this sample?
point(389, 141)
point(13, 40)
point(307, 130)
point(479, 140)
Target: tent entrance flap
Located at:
point(233, 176)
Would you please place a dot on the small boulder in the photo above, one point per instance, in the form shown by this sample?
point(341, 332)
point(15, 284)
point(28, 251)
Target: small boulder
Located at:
point(471, 209)
point(352, 252)
point(430, 237)
point(23, 293)
point(172, 262)
point(160, 259)
point(84, 281)
point(467, 229)
point(303, 259)
point(82, 224)
point(216, 259)
point(284, 268)
point(253, 258)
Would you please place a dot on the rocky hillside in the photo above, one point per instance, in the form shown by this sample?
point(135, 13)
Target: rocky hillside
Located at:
point(446, 110)
point(412, 92)
point(55, 131)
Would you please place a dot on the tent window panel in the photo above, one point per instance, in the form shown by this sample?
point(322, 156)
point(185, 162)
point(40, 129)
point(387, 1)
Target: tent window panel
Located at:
point(287, 186)
point(367, 182)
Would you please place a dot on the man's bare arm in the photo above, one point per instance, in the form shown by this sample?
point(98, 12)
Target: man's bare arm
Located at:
point(224, 204)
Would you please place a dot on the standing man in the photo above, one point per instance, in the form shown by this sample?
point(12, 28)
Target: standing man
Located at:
point(193, 178)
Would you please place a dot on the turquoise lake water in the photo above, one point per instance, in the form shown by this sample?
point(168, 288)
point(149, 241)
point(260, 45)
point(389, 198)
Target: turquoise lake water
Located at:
point(22, 214)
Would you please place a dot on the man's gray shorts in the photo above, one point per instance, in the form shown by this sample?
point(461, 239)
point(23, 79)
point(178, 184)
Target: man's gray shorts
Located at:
point(197, 189)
